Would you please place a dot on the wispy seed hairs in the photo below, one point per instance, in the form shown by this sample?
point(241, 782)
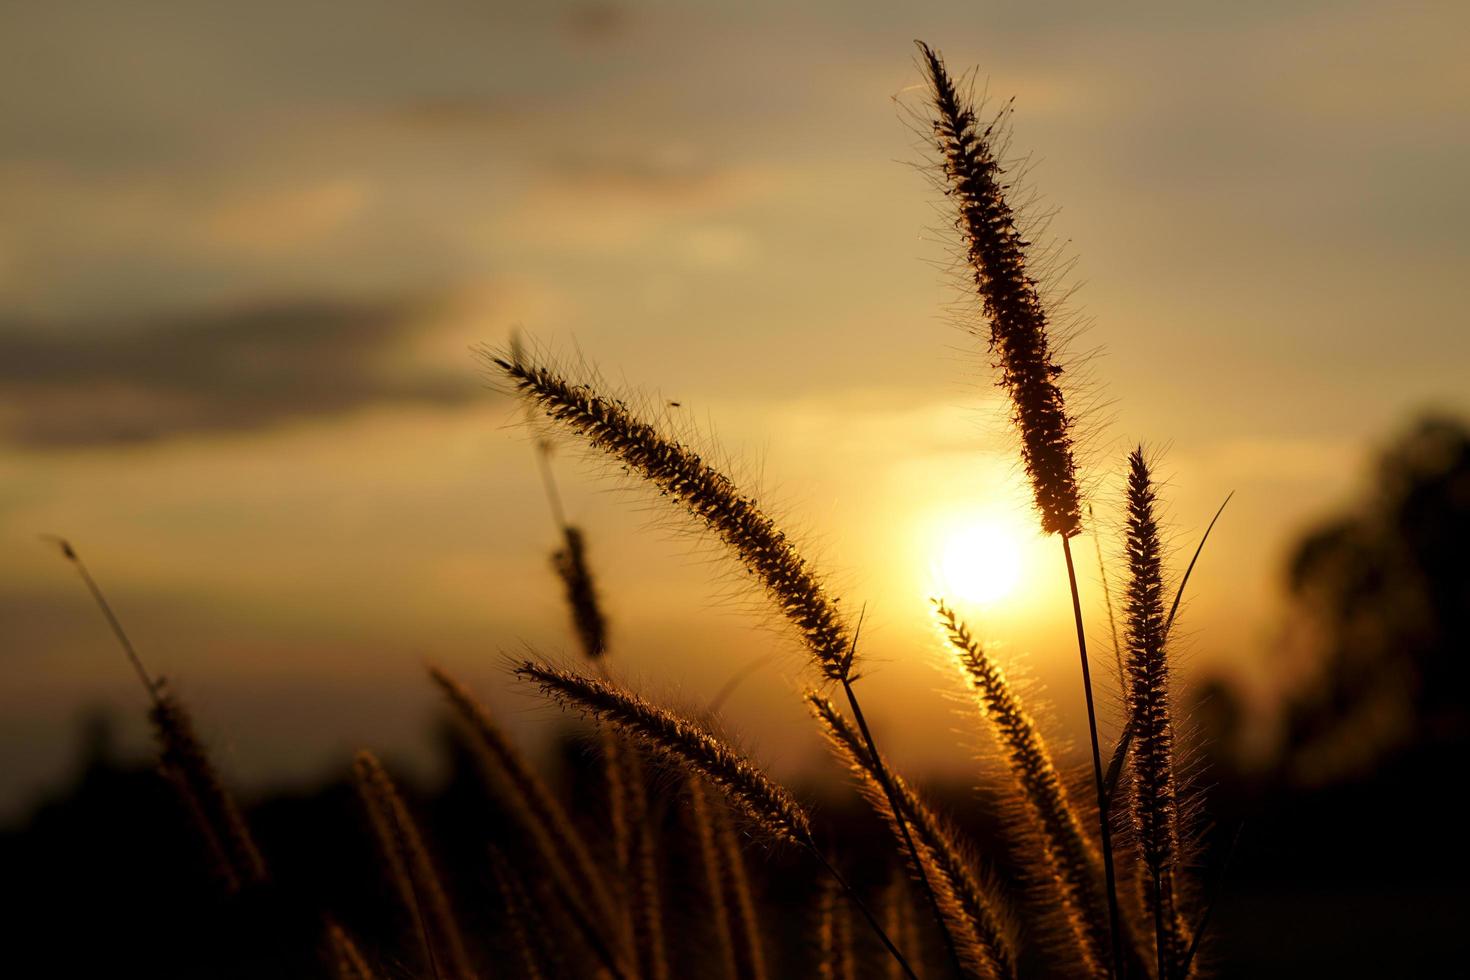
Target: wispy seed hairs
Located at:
point(713, 498)
point(183, 760)
point(1154, 795)
point(1070, 854)
point(753, 792)
point(746, 786)
point(412, 871)
point(726, 877)
point(570, 564)
point(527, 926)
point(835, 960)
point(973, 912)
point(1012, 303)
point(701, 822)
point(1021, 346)
point(645, 900)
point(898, 919)
point(346, 960)
point(559, 846)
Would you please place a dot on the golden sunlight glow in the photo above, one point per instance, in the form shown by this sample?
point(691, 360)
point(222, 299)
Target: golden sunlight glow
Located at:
point(981, 561)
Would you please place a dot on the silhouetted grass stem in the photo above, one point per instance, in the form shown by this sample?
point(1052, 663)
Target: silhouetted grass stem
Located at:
point(412, 870)
point(1069, 853)
point(713, 498)
point(579, 883)
point(901, 822)
point(1103, 816)
point(754, 793)
point(969, 912)
point(679, 472)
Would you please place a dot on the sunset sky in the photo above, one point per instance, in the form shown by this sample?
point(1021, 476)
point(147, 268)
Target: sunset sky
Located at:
point(245, 252)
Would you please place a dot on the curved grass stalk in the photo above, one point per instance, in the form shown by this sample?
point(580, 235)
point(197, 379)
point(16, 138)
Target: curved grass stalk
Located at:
point(745, 785)
point(1072, 860)
point(973, 914)
point(738, 521)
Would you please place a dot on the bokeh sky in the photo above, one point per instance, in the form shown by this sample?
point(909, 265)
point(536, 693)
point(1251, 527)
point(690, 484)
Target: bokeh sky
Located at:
point(244, 251)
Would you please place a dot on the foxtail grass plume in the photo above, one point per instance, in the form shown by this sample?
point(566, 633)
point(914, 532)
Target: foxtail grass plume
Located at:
point(898, 922)
point(835, 959)
point(973, 913)
point(346, 959)
point(559, 846)
point(616, 791)
point(529, 935)
point(754, 793)
point(570, 563)
point(1154, 794)
point(1019, 338)
point(680, 473)
point(739, 934)
point(702, 823)
point(183, 760)
point(1071, 857)
point(185, 763)
point(714, 499)
point(644, 894)
point(412, 871)
point(1021, 346)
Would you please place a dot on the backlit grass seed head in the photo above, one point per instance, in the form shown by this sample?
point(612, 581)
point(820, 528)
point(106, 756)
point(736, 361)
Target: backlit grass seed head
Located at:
point(412, 870)
point(570, 563)
point(1148, 672)
point(1012, 302)
point(184, 761)
point(561, 849)
point(346, 960)
point(1154, 792)
point(898, 922)
point(748, 788)
point(701, 818)
point(835, 959)
point(974, 915)
point(642, 886)
point(679, 472)
point(1072, 859)
point(530, 934)
point(616, 793)
point(725, 869)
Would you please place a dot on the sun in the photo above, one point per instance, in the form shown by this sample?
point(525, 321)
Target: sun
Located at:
point(980, 561)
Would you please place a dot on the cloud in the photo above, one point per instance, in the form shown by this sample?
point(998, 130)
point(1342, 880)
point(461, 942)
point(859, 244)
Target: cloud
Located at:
point(610, 200)
point(88, 384)
point(596, 22)
point(278, 219)
point(463, 113)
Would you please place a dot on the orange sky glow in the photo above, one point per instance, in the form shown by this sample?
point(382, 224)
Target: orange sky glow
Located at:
point(243, 262)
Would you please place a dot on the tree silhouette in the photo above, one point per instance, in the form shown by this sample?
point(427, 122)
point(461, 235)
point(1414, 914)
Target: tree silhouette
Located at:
point(1383, 593)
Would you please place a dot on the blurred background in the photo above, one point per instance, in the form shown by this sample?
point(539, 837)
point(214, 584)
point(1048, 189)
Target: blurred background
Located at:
point(245, 252)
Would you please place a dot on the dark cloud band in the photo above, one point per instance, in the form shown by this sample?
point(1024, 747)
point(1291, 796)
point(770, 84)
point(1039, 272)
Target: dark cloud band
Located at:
point(78, 384)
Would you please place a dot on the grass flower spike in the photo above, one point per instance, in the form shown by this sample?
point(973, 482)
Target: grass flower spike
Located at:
point(1018, 322)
